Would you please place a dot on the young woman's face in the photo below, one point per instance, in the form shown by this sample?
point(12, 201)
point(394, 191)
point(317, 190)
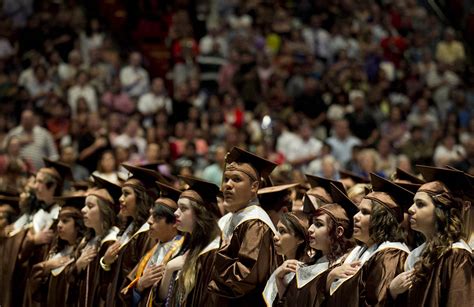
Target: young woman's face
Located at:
point(128, 202)
point(91, 213)
point(160, 230)
point(286, 243)
point(319, 233)
point(362, 221)
point(67, 230)
point(238, 190)
point(185, 217)
point(422, 214)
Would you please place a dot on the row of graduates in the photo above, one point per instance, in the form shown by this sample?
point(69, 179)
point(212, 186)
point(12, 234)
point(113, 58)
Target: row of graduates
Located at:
point(146, 243)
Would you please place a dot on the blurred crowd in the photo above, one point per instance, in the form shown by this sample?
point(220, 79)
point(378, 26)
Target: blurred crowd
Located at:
point(316, 86)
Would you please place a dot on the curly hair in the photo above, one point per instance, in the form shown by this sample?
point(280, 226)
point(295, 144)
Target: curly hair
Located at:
point(339, 244)
point(449, 228)
point(60, 244)
point(205, 231)
point(294, 225)
point(384, 226)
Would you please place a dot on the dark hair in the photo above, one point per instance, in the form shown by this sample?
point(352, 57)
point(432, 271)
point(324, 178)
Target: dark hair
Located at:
point(161, 211)
point(297, 229)
point(449, 229)
point(143, 203)
point(384, 226)
point(339, 244)
point(78, 224)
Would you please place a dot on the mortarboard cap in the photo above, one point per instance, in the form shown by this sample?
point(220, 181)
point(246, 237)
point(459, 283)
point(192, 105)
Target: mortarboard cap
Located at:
point(276, 197)
point(351, 175)
point(62, 170)
point(168, 195)
point(340, 198)
point(74, 201)
point(258, 167)
point(401, 175)
point(146, 177)
point(114, 190)
point(402, 197)
point(202, 192)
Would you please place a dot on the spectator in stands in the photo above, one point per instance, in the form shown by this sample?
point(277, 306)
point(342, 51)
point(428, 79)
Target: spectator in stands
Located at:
point(450, 50)
point(134, 78)
point(342, 141)
point(36, 142)
point(361, 121)
point(69, 157)
point(83, 89)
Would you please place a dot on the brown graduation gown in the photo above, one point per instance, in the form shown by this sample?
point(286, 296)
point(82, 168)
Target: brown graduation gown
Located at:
point(128, 258)
point(12, 274)
point(370, 284)
point(312, 294)
point(89, 287)
point(243, 266)
point(449, 284)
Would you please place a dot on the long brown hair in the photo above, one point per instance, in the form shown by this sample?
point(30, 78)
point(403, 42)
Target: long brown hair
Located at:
point(295, 226)
point(205, 231)
point(449, 228)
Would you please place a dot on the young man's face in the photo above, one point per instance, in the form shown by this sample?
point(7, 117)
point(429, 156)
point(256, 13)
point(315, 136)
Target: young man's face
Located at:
point(239, 190)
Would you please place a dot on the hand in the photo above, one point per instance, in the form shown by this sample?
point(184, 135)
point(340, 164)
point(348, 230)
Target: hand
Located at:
point(345, 270)
point(401, 283)
point(287, 267)
point(86, 257)
point(112, 253)
point(176, 263)
point(151, 276)
point(100, 142)
point(43, 237)
point(57, 262)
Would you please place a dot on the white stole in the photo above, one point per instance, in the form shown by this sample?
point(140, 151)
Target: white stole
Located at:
point(305, 274)
point(229, 222)
point(355, 254)
point(270, 292)
point(43, 219)
point(65, 252)
point(126, 238)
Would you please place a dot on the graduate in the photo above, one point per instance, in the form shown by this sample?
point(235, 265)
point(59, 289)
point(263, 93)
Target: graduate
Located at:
point(27, 240)
point(440, 271)
point(276, 200)
point(100, 217)
point(138, 195)
point(140, 287)
point(245, 263)
point(49, 285)
point(367, 270)
point(330, 235)
point(291, 243)
point(187, 276)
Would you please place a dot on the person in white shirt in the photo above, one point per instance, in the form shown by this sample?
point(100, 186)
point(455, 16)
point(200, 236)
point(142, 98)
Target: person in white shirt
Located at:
point(82, 89)
point(131, 137)
point(156, 99)
point(134, 78)
point(303, 149)
point(342, 141)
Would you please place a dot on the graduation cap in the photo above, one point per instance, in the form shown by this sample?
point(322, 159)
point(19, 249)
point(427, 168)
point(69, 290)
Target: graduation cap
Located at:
point(82, 185)
point(308, 206)
point(351, 175)
point(74, 201)
point(254, 166)
point(316, 181)
point(146, 178)
point(168, 195)
point(276, 197)
point(456, 181)
point(202, 192)
point(402, 175)
point(152, 165)
point(402, 197)
point(341, 198)
point(60, 170)
point(114, 190)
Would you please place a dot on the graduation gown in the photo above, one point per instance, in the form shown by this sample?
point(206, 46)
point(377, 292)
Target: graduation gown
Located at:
point(161, 253)
point(200, 294)
point(307, 287)
point(50, 287)
point(449, 284)
point(130, 254)
point(243, 266)
point(89, 288)
point(369, 286)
